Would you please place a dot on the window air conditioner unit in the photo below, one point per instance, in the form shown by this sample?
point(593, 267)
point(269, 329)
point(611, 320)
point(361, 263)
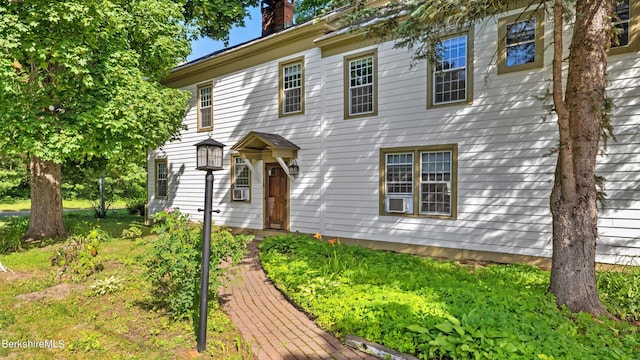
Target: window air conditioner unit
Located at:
point(240, 194)
point(397, 205)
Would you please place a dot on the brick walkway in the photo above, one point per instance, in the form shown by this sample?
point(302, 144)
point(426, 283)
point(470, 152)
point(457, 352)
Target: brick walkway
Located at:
point(274, 327)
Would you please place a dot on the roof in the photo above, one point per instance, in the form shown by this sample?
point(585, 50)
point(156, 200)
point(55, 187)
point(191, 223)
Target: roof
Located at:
point(261, 141)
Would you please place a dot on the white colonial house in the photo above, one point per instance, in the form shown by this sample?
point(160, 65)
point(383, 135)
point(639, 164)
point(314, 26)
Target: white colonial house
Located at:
point(450, 159)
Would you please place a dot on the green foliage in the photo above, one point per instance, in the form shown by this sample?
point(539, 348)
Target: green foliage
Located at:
point(136, 207)
point(620, 291)
point(14, 184)
point(109, 285)
point(80, 80)
point(132, 233)
point(119, 325)
point(214, 18)
point(89, 88)
point(11, 233)
point(438, 309)
point(6, 319)
point(420, 25)
point(89, 342)
point(124, 178)
point(173, 264)
point(77, 259)
point(308, 9)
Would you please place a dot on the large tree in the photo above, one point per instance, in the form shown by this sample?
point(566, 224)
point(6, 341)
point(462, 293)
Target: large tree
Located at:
point(80, 79)
point(581, 109)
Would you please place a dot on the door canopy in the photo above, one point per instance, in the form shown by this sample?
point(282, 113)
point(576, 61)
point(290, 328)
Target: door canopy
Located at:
point(268, 147)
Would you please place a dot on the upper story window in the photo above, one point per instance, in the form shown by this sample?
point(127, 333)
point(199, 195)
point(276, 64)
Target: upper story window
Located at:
point(162, 179)
point(205, 107)
point(291, 78)
point(424, 176)
point(626, 22)
point(450, 76)
point(521, 42)
point(360, 85)
point(241, 180)
point(620, 22)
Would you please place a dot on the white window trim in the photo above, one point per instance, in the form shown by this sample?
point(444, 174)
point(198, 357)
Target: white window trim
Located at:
point(200, 108)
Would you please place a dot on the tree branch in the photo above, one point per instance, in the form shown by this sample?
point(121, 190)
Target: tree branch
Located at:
point(565, 150)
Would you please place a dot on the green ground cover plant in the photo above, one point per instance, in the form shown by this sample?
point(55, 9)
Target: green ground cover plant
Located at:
point(106, 314)
point(438, 309)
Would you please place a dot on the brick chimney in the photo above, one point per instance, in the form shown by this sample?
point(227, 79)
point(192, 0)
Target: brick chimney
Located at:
point(277, 15)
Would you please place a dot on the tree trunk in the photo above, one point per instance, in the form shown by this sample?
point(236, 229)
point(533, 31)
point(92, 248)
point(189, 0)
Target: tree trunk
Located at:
point(574, 195)
point(46, 201)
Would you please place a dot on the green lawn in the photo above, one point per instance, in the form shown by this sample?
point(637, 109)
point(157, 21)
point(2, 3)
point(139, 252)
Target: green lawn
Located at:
point(25, 205)
point(443, 310)
point(123, 324)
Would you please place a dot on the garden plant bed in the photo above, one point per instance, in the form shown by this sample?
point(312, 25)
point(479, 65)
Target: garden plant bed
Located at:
point(436, 309)
point(116, 320)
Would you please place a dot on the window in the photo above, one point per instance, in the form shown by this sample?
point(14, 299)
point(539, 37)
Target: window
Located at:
point(162, 180)
point(626, 22)
point(449, 83)
point(291, 80)
point(205, 107)
point(435, 182)
point(360, 85)
point(521, 42)
point(620, 22)
point(241, 184)
point(434, 190)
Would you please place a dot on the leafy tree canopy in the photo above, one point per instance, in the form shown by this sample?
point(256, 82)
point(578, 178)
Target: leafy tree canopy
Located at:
point(79, 78)
point(214, 18)
point(308, 9)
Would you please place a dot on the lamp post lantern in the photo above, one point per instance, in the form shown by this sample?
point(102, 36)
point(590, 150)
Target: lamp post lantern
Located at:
point(209, 157)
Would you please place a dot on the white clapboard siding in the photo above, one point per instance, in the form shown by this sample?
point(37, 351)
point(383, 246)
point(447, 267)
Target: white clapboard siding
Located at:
point(505, 162)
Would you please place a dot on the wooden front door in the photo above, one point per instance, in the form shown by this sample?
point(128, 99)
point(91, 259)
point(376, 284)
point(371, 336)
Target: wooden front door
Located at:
point(276, 197)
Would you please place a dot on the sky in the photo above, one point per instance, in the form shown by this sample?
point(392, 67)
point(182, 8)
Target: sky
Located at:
point(252, 30)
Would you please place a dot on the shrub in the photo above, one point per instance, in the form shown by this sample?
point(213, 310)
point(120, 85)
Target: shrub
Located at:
point(11, 233)
point(174, 261)
point(132, 233)
point(77, 257)
point(135, 207)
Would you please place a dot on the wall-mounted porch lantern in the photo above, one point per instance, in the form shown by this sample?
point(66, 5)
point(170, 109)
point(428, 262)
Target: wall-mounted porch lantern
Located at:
point(294, 169)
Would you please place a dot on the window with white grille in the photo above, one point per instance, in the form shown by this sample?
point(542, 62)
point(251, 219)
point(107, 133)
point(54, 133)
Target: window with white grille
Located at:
point(205, 107)
point(419, 181)
point(360, 85)
point(399, 174)
point(292, 88)
point(450, 72)
point(435, 182)
point(161, 179)
point(241, 180)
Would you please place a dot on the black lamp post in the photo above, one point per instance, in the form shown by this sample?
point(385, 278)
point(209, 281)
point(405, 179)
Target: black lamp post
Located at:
point(209, 158)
